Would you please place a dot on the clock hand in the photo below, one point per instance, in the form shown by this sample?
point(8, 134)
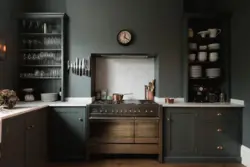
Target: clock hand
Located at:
point(125, 37)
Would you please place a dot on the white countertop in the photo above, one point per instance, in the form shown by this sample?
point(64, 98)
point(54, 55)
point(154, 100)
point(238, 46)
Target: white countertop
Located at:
point(17, 110)
point(179, 102)
point(53, 104)
point(185, 104)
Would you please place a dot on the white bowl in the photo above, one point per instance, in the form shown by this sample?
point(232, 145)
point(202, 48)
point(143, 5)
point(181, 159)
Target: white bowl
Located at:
point(214, 46)
point(203, 47)
point(49, 97)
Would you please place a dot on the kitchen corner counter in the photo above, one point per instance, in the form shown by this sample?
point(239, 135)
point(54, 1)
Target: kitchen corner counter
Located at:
point(18, 110)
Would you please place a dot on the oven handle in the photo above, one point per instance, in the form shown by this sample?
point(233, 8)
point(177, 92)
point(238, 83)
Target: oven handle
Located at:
point(111, 118)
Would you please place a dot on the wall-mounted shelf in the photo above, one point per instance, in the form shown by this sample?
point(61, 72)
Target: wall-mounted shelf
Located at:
point(41, 50)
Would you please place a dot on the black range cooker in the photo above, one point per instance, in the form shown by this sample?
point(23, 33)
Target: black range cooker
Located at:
point(126, 108)
point(129, 127)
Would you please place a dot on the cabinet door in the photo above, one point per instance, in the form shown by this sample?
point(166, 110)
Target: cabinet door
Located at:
point(180, 126)
point(146, 130)
point(13, 142)
point(35, 139)
point(112, 131)
point(67, 133)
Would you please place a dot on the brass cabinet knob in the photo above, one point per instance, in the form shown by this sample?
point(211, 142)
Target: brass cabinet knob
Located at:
point(219, 148)
point(219, 130)
point(219, 114)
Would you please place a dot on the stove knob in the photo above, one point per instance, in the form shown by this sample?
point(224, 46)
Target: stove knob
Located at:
point(112, 110)
point(106, 111)
point(151, 110)
point(134, 111)
point(121, 111)
point(125, 110)
point(100, 110)
point(146, 111)
point(117, 111)
point(130, 110)
point(139, 110)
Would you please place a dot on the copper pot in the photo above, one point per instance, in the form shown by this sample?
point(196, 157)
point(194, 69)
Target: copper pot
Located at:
point(119, 97)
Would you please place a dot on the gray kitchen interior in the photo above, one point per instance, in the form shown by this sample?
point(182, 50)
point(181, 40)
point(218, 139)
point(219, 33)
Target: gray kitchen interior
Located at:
point(92, 30)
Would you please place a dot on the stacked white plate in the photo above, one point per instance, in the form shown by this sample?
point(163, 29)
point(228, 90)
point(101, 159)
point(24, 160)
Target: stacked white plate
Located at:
point(213, 72)
point(195, 71)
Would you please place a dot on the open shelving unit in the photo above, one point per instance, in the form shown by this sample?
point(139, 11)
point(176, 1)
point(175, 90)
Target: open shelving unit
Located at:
point(199, 85)
point(42, 53)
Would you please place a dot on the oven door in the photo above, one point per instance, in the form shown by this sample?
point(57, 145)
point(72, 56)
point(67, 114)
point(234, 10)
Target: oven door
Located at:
point(146, 130)
point(112, 129)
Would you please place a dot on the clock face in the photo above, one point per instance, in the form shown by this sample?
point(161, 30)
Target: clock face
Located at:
point(124, 37)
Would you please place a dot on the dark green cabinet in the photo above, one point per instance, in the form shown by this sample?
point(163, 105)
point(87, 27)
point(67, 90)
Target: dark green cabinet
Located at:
point(180, 132)
point(24, 140)
point(67, 133)
point(36, 138)
point(202, 134)
point(13, 139)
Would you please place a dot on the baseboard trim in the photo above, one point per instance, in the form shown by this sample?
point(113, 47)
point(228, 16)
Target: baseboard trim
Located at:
point(245, 155)
point(202, 159)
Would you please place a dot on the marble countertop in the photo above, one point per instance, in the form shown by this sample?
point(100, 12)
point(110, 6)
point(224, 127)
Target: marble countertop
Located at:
point(179, 102)
point(18, 110)
point(53, 104)
point(185, 104)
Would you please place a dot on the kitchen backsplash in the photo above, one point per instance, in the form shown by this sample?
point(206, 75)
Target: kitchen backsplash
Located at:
point(122, 75)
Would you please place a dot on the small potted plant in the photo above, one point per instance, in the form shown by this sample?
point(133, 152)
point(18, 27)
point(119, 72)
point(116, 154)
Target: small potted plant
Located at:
point(8, 98)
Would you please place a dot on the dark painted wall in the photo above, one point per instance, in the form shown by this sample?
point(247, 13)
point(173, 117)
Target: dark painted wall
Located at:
point(8, 68)
point(240, 66)
point(94, 25)
point(241, 61)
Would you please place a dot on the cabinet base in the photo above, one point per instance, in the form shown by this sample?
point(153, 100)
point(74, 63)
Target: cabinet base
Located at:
point(203, 159)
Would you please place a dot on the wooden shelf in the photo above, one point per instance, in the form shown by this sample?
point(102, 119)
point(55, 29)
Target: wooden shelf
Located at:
point(40, 50)
point(40, 34)
point(41, 65)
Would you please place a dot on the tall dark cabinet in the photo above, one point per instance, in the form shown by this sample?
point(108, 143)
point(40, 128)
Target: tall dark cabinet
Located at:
point(206, 57)
point(42, 52)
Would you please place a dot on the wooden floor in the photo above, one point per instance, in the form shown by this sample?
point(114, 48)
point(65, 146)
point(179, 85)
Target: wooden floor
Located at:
point(137, 163)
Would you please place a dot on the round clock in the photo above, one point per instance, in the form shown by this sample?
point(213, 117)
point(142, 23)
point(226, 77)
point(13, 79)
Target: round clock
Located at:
point(124, 37)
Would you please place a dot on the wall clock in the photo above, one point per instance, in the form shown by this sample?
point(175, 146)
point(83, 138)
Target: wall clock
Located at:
point(124, 37)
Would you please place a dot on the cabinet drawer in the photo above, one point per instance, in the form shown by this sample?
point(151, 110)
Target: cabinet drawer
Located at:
point(218, 139)
point(227, 148)
point(218, 130)
point(228, 114)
